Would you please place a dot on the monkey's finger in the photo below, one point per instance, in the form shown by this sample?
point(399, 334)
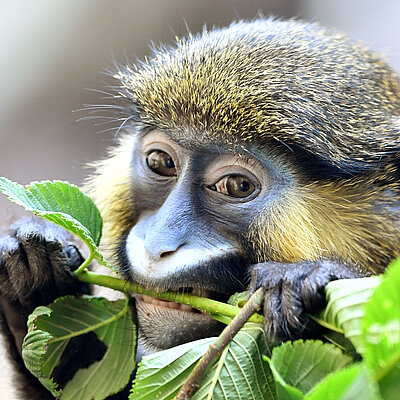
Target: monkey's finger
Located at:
point(292, 307)
point(49, 250)
point(36, 226)
point(266, 275)
point(14, 273)
point(35, 254)
point(74, 256)
point(273, 321)
point(312, 292)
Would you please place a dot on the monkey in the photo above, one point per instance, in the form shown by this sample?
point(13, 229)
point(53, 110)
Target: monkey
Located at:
point(261, 154)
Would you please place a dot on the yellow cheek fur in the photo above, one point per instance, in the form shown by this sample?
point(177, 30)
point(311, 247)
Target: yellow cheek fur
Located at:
point(343, 220)
point(110, 188)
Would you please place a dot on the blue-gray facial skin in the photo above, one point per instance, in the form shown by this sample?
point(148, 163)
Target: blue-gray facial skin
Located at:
point(194, 207)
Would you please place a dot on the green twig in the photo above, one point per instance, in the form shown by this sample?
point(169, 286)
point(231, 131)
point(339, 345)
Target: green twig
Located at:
point(208, 306)
point(388, 367)
point(84, 265)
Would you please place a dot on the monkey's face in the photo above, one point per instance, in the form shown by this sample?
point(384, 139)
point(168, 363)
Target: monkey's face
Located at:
point(191, 212)
point(194, 205)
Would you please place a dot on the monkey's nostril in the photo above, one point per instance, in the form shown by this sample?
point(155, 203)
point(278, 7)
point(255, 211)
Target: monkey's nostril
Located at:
point(165, 254)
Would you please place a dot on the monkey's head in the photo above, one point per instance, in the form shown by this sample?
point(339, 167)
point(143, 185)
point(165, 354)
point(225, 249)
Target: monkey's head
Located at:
point(264, 141)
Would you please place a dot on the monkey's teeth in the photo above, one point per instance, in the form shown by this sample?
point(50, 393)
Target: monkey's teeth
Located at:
point(165, 303)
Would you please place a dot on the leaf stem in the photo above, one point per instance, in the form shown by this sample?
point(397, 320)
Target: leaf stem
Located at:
point(326, 324)
point(211, 307)
point(84, 265)
point(388, 367)
point(216, 348)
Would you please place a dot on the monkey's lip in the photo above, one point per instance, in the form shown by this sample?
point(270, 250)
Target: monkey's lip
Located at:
point(165, 303)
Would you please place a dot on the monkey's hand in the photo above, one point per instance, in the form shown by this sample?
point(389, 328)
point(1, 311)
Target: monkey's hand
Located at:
point(36, 260)
point(292, 291)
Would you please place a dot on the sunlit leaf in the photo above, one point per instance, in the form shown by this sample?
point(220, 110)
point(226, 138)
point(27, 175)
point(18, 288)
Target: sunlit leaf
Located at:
point(381, 333)
point(351, 383)
point(239, 373)
point(299, 366)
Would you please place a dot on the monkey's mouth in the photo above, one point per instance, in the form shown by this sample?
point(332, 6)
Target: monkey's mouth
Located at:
point(164, 324)
point(166, 303)
point(157, 302)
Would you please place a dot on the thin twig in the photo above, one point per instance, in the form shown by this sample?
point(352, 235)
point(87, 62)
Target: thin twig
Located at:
point(216, 348)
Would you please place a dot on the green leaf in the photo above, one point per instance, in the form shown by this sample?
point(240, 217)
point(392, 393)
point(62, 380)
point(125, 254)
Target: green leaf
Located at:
point(340, 341)
point(346, 299)
point(381, 333)
point(298, 366)
point(61, 203)
point(347, 384)
point(50, 330)
point(160, 375)
point(238, 299)
point(239, 373)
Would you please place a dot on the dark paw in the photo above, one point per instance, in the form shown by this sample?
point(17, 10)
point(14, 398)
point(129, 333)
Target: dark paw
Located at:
point(36, 260)
point(292, 291)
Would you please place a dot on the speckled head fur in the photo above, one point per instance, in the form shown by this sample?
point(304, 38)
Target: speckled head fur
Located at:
point(328, 105)
point(273, 82)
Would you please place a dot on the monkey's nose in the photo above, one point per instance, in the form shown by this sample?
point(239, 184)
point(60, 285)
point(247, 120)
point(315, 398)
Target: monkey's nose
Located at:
point(157, 251)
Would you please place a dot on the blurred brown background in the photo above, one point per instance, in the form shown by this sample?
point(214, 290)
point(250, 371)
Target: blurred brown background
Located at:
point(51, 51)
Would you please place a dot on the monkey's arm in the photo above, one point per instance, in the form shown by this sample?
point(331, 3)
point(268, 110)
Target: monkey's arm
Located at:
point(36, 258)
point(294, 290)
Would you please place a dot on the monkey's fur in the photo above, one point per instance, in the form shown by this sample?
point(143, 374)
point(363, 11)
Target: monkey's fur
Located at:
point(299, 91)
point(325, 107)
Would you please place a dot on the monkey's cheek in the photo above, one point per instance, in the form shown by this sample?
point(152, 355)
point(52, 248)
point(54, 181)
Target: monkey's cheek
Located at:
point(162, 327)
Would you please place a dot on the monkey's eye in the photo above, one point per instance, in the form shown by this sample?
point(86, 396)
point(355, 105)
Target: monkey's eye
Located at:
point(234, 186)
point(161, 163)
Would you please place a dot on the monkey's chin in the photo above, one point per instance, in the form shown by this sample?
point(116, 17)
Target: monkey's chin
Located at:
point(164, 324)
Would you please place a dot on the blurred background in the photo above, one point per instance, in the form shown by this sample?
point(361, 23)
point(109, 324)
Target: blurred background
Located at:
point(52, 52)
